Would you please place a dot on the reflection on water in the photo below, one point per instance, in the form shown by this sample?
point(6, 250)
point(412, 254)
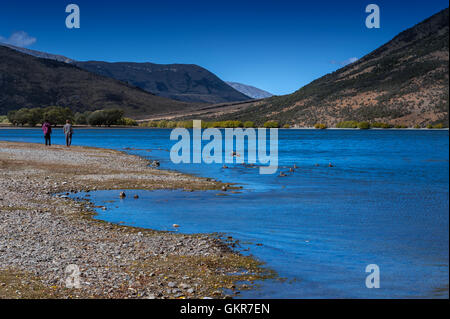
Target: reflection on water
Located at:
point(384, 202)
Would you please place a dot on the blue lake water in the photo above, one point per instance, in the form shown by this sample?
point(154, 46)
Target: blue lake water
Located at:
point(384, 202)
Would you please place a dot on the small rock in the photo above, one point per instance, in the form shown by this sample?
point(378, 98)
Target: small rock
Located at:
point(155, 163)
point(171, 284)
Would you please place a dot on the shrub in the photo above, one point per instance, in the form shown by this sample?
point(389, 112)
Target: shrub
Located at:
point(271, 124)
point(106, 117)
point(231, 124)
point(56, 115)
point(320, 126)
point(128, 122)
point(171, 124)
point(162, 124)
point(82, 118)
point(249, 124)
point(4, 119)
point(363, 125)
point(439, 126)
point(429, 126)
point(347, 124)
point(381, 125)
point(185, 124)
point(286, 126)
point(152, 124)
point(26, 116)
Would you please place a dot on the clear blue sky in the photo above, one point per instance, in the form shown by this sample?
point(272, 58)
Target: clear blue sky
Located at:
point(275, 45)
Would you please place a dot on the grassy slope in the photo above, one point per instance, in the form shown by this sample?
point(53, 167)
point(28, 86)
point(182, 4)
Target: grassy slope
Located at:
point(403, 82)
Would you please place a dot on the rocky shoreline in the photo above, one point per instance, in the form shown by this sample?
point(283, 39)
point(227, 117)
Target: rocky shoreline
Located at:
point(42, 234)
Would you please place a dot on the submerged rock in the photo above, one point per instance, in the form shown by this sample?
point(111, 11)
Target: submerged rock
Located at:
point(155, 164)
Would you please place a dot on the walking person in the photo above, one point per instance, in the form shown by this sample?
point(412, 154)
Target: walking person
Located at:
point(68, 131)
point(47, 129)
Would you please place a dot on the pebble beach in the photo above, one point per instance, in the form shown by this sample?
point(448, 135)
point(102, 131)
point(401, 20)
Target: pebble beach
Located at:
point(43, 232)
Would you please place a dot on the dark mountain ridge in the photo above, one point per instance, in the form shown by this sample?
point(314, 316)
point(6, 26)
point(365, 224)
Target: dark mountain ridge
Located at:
point(183, 82)
point(27, 81)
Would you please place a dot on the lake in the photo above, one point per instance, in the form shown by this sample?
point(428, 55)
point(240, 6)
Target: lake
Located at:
point(384, 202)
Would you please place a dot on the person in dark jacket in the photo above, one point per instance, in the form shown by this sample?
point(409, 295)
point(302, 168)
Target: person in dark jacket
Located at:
point(47, 129)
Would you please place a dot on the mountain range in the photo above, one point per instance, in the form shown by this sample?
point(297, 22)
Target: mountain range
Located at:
point(182, 82)
point(28, 81)
point(404, 82)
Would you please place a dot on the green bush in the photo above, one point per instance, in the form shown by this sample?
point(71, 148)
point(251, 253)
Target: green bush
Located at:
point(106, 117)
point(228, 124)
point(185, 124)
point(171, 124)
point(162, 124)
point(381, 125)
point(320, 126)
point(56, 115)
point(439, 126)
point(82, 118)
point(271, 124)
point(286, 126)
point(363, 125)
point(4, 119)
point(249, 124)
point(32, 116)
point(429, 126)
point(128, 122)
point(347, 124)
point(152, 124)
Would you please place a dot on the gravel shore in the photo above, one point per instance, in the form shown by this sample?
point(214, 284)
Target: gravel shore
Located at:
point(42, 234)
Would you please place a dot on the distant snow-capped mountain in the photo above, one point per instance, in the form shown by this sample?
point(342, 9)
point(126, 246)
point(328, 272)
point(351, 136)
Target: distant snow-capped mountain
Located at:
point(249, 90)
point(39, 54)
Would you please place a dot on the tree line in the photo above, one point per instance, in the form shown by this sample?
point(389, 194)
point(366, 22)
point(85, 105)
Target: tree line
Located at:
point(57, 115)
point(206, 124)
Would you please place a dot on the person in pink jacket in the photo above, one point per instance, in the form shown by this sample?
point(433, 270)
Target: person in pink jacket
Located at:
point(47, 129)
